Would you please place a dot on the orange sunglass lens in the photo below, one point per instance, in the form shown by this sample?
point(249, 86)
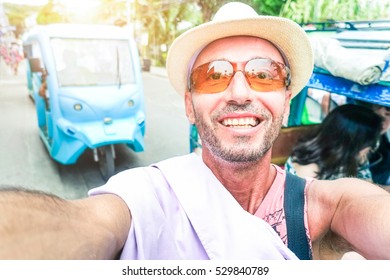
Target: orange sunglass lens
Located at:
point(212, 77)
point(264, 75)
point(265, 85)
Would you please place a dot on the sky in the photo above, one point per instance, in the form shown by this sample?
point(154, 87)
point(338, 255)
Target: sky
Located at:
point(26, 2)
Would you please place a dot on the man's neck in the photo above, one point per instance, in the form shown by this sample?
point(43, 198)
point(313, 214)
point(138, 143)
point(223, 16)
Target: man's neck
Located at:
point(247, 182)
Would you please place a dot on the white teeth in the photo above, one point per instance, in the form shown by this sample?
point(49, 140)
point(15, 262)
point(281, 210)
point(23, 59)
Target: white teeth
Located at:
point(240, 122)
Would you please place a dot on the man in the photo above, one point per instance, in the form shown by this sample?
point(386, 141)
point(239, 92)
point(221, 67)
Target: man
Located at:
point(238, 74)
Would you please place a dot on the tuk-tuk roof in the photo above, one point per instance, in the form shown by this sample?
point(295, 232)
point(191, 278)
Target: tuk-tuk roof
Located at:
point(369, 40)
point(365, 39)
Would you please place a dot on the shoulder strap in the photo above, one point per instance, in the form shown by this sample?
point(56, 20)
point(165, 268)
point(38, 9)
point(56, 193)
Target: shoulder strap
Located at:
point(294, 202)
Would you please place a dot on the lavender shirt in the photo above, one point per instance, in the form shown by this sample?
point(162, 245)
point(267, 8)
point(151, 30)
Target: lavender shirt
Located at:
point(181, 211)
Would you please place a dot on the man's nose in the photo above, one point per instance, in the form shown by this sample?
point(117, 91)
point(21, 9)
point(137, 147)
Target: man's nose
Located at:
point(239, 90)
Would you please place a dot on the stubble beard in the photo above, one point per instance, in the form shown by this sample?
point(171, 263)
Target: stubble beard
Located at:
point(242, 150)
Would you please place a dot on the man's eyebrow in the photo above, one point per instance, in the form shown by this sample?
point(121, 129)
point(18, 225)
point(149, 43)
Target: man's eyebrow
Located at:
point(218, 58)
point(227, 59)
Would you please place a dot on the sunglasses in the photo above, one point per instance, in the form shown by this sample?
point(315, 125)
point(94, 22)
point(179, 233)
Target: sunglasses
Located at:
point(262, 74)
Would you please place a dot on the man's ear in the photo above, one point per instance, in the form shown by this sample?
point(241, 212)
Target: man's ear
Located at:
point(189, 107)
point(287, 107)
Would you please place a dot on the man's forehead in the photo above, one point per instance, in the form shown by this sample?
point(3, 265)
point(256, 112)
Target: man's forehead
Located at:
point(239, 48)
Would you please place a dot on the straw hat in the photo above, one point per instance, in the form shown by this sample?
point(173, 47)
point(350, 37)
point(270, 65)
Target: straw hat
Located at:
point(235, 19)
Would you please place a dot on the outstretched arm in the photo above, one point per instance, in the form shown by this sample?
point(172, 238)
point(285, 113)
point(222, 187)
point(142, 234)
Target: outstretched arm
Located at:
point(360, 215)
point(39, 226)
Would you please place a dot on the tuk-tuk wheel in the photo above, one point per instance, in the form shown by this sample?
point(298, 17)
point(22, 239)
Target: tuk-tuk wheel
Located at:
point(106, 161)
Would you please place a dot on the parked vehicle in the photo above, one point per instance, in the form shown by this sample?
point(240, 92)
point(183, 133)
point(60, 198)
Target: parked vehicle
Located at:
point(86, 82)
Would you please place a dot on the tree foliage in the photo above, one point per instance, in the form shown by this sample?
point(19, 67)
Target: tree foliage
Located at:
point(17, 14)
point(53, 12)
point(112, 11)
point(339, 10)
point(268, 7)
point(163, 20)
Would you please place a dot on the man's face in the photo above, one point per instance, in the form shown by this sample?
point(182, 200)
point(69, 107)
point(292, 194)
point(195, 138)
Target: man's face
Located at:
point(238, 124)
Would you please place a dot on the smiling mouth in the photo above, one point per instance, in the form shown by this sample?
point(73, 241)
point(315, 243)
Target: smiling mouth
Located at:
point(240, 122)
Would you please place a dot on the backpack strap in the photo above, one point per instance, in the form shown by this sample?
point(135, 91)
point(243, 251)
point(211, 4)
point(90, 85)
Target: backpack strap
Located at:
point(294, 203)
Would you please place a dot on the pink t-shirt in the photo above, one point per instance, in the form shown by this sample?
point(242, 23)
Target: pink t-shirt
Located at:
point(271, 209)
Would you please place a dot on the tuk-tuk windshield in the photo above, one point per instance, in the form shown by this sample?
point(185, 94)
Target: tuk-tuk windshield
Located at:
point(92, 62)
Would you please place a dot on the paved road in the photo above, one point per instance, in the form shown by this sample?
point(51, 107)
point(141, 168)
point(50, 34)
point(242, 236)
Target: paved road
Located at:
point(25, 162)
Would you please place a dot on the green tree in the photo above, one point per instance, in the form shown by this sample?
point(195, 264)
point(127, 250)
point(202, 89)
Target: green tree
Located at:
point(112, 11)
point(17, 15)
point(339, 10)
point(268, 7)
point(52, 12)
point(162, 21)
point(209, 8)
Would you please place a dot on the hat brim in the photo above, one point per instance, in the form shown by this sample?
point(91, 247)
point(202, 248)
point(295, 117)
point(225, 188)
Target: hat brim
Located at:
point(285, 34)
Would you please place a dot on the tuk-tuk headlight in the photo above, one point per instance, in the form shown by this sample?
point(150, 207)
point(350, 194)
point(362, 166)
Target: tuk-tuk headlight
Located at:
point(78, 107)
point(130, 103)
point(107, 120)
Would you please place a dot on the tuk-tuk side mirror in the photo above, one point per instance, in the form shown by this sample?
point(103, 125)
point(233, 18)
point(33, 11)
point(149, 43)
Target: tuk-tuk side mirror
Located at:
point(35, 65)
